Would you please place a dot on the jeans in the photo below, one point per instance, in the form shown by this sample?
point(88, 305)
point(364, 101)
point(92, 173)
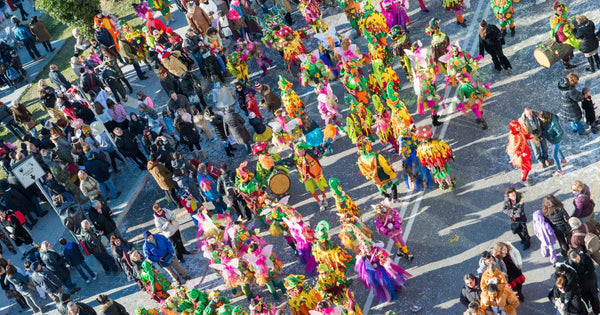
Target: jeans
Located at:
point(38, 209)
point(578, 126)
point(68, 282)
point(138, 69)
point(107, 262)
point(555, 152)
point(83, 266)
point(15, 129)
point(108, 185)
point(33, 300)
point(539, 150)
point(200, 61)
point(31, 49)
point(220, 205)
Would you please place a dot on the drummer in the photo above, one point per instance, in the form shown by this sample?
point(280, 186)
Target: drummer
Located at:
point(266, 162)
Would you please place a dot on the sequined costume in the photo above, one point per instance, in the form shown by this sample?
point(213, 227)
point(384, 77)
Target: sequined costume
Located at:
point(301, 297)
point(435, 154)
point(389, 224)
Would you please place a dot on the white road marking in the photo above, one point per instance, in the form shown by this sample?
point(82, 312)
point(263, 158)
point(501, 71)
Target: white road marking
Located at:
point(475, 17)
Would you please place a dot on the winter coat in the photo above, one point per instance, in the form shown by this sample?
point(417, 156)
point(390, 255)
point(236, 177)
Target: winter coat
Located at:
point(206, 181)
point(39, 30)
point(569, 101)
point(514, 210)
point(468, 295)
point(242, 96)
point(121, 254)
point(235, 127)
point(571, 300)
point(98, 168)
point(169, 83)
point(258, 125)
point(586, 34)
point(217, 122)
point(112, 308)
point(542, 229)
point(553, 132)
point(18, 200)
point(162, 175)
point(47, 281)
point(59, 80)
point(559, 220)
point(90, 188)
point(21, 235)
point(6, 115)
point(271, 99)
point(49, 97)
point(578, 241)
point(159, 249)
point(181, 102)
point(198, 20)
point(102, 221)
point(191, 43)
point(174, 65)
point(187, 132)
point(582, 203)
point(85, 309)
point(19, 281)
point(167, 225)
point(586, 274)
point(127, 51)
point(492, 43)
point(92, 241)
point(55, 263)
point(506, 298)
point(534, 126)
point(126, 143)
point(72, 254)
point(83, 113)
point(104, 37)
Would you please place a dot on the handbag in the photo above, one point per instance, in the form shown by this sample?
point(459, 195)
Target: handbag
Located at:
point(85, 249)
point(516, 227)
point(30, 124)
point(167, 260)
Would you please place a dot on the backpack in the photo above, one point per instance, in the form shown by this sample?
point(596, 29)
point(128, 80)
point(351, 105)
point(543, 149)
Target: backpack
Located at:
point(20, 217)
point(591, 240)
point(12, 74)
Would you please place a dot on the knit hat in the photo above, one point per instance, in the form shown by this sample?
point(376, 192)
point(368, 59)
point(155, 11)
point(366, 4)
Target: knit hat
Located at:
point(146, 234)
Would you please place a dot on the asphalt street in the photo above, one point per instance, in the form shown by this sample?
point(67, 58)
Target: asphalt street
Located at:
point(445, 230)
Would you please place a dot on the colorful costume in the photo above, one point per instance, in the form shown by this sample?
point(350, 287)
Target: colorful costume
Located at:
point(395, 12)
point(329, 253)
point(252, 50)
point(343, 202)
point(291, 45)
point(374, 166)
point(503, 10)
point(416, 176)
point(155, 283)
point(353, 232)
point(471, 95)
point(355, 84)
point(377, 272)
point(561, 30)
point(237, 65)
point(310, 171)
point(258, 307)
point(381, 76)
point(424, 77)
point(290, 99)
point(312, 70)
point(249, 188)
point(456, 6)
point(401, 42)
point(163, 6)
point(332, 286)
point(457, 62)
point(301, 297)
point(435, 155)
point(439, 40)
point(265, 266)
point(518, 149)
point(327, 103)
point(389, 224)
point(141, 9)
point(353, 12)
point(312, 15)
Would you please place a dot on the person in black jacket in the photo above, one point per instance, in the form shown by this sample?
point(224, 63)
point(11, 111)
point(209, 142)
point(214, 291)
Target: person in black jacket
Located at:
point(47, 281)
point(58, 79)
point(103, 36)
point(110, 307)
point(471, 291)
point(585, 31)
point(109, 77)
point(100, 216)
point(188, 134)
point(74, 258)
point(217, 122)
point(11, 223)
point(83, 113)
point(242, 91)
point(513, 208)
point(57, 264)
point(555, 213)
point(89, 82)
point(586, 275)
point(7, 120)
point(192, 88)
point(80, 308)
point(566, 300)
point(98, 168)
point(491, 40)
point(128, 146)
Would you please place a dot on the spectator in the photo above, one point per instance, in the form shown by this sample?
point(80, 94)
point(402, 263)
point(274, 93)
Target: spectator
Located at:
point(105, 145)
point(144, 99)
point(101, 217)
point(7, 120)
point(171, 61)
point(225, 186)
point(211, 64)
point(471, 291)
point(19, 5)
point(566, 300)
point(47, 281)
point(544, 232)
point(586, 275)
point(80, 308)
point(178, 101)
point(197, 19)
point(48, 97)
point(163, 177)
point(578, 236)
point(57, 264)
point(167, 80)
point(19, 199)
point(81, 43)
point(23, 115)
point(513, 208)
point(129, 54)
point(89, 82)
point(128, 146)
point(191, 45)
point(236, 128)
point(189, 136)
point(530, 120)
point(38, 28)
point(24, 34)
point(165, 221)
point(557, 216)
point(569, 107)
point(9, 289)
point(58, 79)
point(553, 132)
point(242, 92)
point(209, 189)
point(89, 186)
point(108, 306)
point(186, 181)
point(20, 282)
point(121, 251)
point(491, 41)
point(118, 114)
point(589, 108)
point(192, 88)
point(99, 169)
point(158, 249)
point(111, 79)
point(585, 31)
point(109, 60)
point(74, 258)
point(511, 258)
point(584, 206)
point(61, 307)
point(104, 37)
point(93, 245)
point(13, 225)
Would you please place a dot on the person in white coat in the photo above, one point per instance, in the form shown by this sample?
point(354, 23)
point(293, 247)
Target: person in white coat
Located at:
point(165, 221)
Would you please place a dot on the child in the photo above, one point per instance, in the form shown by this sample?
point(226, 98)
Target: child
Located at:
point(214, 22)
point(226, 187)
point(168, 123)
point(588, 107)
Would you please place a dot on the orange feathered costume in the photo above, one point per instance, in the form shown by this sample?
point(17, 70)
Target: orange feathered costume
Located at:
point(518, 149)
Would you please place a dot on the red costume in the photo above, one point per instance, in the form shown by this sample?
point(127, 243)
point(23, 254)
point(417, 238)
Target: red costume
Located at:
point(518, 149)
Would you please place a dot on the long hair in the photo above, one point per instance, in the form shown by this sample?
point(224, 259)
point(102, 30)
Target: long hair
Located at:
point(483, 30)
point(550, 204)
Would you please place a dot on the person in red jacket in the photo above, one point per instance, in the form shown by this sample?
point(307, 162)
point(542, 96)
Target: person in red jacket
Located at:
point(518, 149)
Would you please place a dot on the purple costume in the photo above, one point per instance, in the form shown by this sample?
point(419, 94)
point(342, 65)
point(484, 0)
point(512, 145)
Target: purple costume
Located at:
point(544, 232)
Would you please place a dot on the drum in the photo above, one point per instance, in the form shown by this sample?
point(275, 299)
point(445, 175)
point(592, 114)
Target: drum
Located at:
point(279, 182)
point(549, 52)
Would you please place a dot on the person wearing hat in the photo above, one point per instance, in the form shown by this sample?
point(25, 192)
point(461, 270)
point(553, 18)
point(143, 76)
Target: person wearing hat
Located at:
point(579, 233)
point(269, 99)
point(61, 306)
point(301, 297)
point(110, 307)
point(47, 281)
point(128, 146)
point(7, 120)
point(158, 249)
point(310, 171)
point(129, 54)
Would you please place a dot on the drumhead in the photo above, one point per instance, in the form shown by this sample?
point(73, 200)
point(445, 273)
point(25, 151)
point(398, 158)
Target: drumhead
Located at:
point(279, 183)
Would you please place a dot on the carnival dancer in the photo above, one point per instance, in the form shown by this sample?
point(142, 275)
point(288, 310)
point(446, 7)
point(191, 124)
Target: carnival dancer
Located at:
point(249, 188)
point(374, 166)
point(141, 9)
point(333, 287)
point(286, 130)
point(301, 298)
point(503, 10)
point(353, 232)
point(377, 272)
point(292, 45)
point(328, 253)
point(252, 50)
point(164, 7)
point(435, 154)
point(389, 224)
point(416, 175)
point(561, 29)
point(380, 76)
point(518, 149)
point(400, 42)
point(312, 69)
point(359, 121)
point(310, 171)
point(456, 6)
point(258, 307)
point(327, 104)
point(347, 52)
point(458, 61)
point(424, 77)
point(471, 95)
point(312, 15)
point(439, 40)
point(237, 65)
point(395, 13)
point(290, 99)
point(266, 266)
point(353, 12)
point(383, 127)
point(343, 202)
point(303, 237)
point(154, 282)
point(355, 84)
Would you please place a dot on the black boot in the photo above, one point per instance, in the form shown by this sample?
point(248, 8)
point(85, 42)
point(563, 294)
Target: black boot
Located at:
point(228, 151)
point(482, 122)
point(597, 58)
point(512, 31)
point(435, 120)
point(591, 67)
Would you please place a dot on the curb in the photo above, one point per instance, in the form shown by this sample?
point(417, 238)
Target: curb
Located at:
point(142, 180)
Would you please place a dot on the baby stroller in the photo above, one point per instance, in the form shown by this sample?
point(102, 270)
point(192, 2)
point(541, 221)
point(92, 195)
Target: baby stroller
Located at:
point(10, 75)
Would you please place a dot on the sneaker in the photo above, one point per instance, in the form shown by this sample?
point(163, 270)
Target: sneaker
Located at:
point(87, 281)
point(509, 70)
point(587, 132)
point(95, 276)
point(564, 163)
point(557, 173)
